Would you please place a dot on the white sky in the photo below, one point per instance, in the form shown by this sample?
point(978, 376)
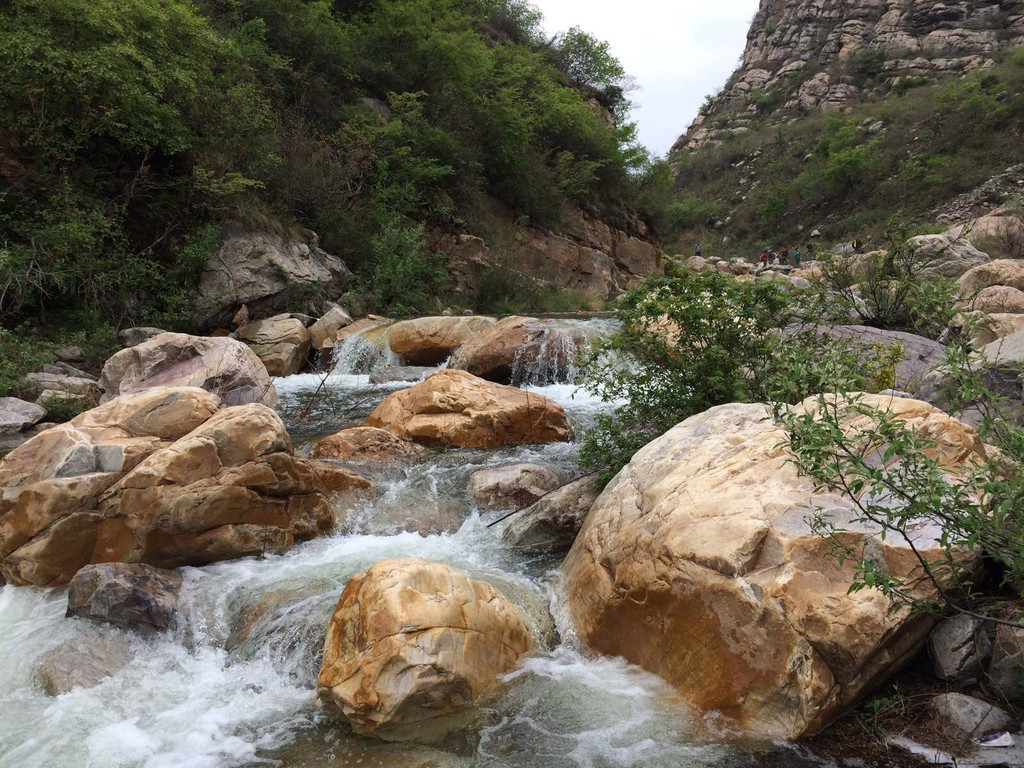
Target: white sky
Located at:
point(678, 50)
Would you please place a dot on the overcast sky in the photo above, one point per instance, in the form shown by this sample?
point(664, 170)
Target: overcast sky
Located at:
point(678, 51)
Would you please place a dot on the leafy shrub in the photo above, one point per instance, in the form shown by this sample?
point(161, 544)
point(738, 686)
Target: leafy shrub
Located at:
point(404, 276)
point(866, 65)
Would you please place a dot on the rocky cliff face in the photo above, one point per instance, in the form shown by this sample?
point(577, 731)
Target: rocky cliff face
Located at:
point(806, 55)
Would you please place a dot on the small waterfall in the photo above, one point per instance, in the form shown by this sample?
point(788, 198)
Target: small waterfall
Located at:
point(557, 355)
point(360, 355)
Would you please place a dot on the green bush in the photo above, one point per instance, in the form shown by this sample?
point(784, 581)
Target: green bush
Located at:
point(404, 276)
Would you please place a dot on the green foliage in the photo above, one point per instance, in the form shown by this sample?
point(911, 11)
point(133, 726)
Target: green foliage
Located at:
point(690, 212)
point(504, 291)
point(588, 62)
point(404, 277)
point(694, 340)
point(866, 64)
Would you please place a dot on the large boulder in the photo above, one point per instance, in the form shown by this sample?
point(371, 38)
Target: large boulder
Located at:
point(991, 327)
point(280, 342)
point(431, 340)
point(522, 349)
point(80, 663)
point(412, 640)
point(16, 415)
point(268, 273)
point(166, 476)
point(513, 486)
point(223, 366)
point(1003, 362)
point(946, 255)
point(323, 332)
point(454, 408)
point(998, 299)
point(367, 444)
point(697, 563)
point(137, 597)
point(551, 523)
point(999, 234)
point(1009, 272)
point(920, 355)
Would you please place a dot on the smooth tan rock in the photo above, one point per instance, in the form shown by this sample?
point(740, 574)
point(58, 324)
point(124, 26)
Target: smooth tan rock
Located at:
point(226, 367)
point(946, 255)
point(326, 328)
point(1001, 235)
point(697, 563)
point(998, 299)
point(412, 640)
point(994, 326)
point(366, 444)
point(454, 408)
point(281, 343)
point(513, 486)
point(166, 477)
point(511, 348)
point(431, 340)
point(1009, 272)
point(84, 662)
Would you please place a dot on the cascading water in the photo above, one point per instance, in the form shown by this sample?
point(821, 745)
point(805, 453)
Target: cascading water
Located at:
point(234, 685)
point(556, 357)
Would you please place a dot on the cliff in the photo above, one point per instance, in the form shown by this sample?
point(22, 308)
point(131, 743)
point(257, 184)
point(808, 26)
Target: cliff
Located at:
point(806, 55)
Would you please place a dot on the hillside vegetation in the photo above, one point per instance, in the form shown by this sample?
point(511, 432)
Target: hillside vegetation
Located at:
point(132, 129)
point(848, 173)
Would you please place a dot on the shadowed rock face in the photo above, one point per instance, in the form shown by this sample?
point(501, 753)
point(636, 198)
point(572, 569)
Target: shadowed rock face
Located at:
point(412, 640)
point(697, 563)
point(923, 39)
point(168, 477)
point(453, 408)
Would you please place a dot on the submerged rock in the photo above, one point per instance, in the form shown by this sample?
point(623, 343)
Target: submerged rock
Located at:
point(224, 366)
point(513, 486)
point(136, 597)
point(698, 564)
point(366, 444)
point(80, 663)
point(453, 408)
point(411, 641)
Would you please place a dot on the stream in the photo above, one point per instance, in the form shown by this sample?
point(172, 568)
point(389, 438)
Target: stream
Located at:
point(225, 690)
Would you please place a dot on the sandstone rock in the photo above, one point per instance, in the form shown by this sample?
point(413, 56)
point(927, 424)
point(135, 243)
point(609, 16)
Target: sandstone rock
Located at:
point(411, 640)
point(16, 415)
point(513, 486)
point(1006, 670)
point(167, 477)
point(326, 328)
point(1001, 235)
point(959, 646)
point(998, 299)
point(995, 326)
point(431, 340)
point(129, 337)
point(454, 408)
point(136, 597)
point(551, 524)
point(519, 348)
point(367, 444)
point(696, 263)
point(946, 256)
point(241, 317)
point(281, 342)
point(224, 366)
point(1009, 272)
point(269, 274)
point(964, 717)
point(80, 663)
point(698, 564)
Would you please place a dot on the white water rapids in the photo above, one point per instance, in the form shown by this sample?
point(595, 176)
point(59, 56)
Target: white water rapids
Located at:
point(186, 701)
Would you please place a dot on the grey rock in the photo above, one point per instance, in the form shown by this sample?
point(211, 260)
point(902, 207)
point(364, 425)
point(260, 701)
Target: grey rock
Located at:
point(70, 354)
point(61, 382)
point(80, 459)
point(268, 273)
point(70, 370)
point(965, 717)
point(551, 523)
point(946, 256)
point(80, 663)
point(1006, 670)
point(511, 486)
point(17, 415)
point(959, 646)
point(129, 337)
point(137, 596)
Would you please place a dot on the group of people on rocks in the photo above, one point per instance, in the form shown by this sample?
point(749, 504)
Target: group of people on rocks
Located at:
point(794, 258)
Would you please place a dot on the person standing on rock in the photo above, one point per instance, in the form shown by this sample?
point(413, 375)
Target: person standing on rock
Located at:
point(698, 250)
point(764, 259)
point(798, 257)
